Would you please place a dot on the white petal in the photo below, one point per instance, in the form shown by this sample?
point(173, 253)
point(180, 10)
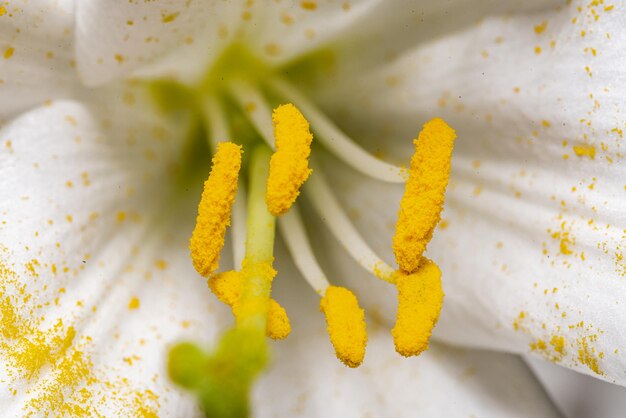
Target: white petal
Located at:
point(280, 32)
point(306, 380)
point(115, 37)
point(352, 37)
point(36, 56)
point(533, 255)
point(88, 224)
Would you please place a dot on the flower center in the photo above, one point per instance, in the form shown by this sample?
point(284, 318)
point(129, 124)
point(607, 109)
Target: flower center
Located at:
point(238, 103)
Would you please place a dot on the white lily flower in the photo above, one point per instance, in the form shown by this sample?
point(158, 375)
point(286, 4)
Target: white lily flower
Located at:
point(101, 193)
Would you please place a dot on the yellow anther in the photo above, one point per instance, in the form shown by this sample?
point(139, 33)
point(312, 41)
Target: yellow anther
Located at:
point(228, 285)
point(289, 166)
point(421, 205)
point(278, 326)
point(346, 325)
point(419, 302)
point(214, 209)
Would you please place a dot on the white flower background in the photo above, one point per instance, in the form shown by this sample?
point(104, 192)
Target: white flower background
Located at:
point(96, 277)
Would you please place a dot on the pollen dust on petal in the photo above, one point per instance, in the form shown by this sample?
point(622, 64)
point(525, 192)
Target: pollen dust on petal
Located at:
point(50, 364)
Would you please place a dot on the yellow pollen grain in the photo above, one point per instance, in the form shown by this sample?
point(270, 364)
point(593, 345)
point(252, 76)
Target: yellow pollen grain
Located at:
point(169, 17)
point(134, 303)
point(160, 264)
point(214, 209)
point(585, 151)
point(289, 165)
point(540, 28)
point(346, 325)
point(227, 286)
point(8, 53)
point(420, 298)
point(421, 205)
point(308, 5)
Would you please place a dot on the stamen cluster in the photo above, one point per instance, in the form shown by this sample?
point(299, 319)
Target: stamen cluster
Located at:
point(275, 182)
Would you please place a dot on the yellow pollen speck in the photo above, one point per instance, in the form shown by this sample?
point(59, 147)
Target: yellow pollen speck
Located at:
point(308, 5)
point(8, 53)
point(3, 11)
point(585, 151)
point(169, 17)
point(541, 27)
point(420, 298)
point(346, 325)
point(227, 286)
point(214, 209)
point(421, 205)
point(272, 49)
point(587, 354)
point(558, 343)
point(289, 167)
point(134, 303)
point(160, 264)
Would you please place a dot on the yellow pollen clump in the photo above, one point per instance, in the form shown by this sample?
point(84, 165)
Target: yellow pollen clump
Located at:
point(585, 151)
point(289, 167)
point(214, 209)
point(227, 286)
point(420, 297)
point(421, 205)
point(346, 325)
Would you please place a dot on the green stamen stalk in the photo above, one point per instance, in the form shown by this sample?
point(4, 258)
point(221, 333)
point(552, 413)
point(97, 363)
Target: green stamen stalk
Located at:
point(222, 380)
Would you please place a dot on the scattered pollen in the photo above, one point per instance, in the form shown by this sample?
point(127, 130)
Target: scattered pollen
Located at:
point(541, 27)
point(227, 286)
point(346, 325)
point(421, 205)
point(134, 303)
point(309, 5)
point(585, 151)
point(289, 167)
point(160, 264)
point(420, 298)
point(169, 17)
point(214, 209)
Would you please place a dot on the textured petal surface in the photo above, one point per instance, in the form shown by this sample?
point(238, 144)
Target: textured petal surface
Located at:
point(441, 382)
point(96, 277)
point(161, 38)
point(283, 31)
point(36, 56)
point(532, 243)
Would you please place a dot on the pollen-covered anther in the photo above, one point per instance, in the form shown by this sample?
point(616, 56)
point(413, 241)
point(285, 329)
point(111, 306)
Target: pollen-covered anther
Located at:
point(215, 207)
point(289, 165)
point(346, 325)
point(422, 203)
point(228, 285)
point(420, 298)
